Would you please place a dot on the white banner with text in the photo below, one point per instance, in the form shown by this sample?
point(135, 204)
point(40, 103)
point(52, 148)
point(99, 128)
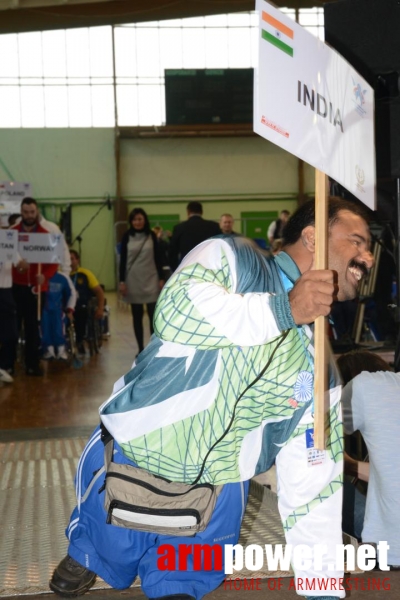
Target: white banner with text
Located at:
point(41, 247)
point(11, 195)
point(310, 101)
point(8, 245)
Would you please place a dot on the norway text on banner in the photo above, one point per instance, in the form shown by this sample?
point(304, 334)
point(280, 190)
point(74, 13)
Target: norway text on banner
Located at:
point(8, 245)
point(310, 101)
point(42, 248)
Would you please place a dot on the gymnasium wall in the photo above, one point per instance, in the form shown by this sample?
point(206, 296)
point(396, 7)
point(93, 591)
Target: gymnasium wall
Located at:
point(77, 167)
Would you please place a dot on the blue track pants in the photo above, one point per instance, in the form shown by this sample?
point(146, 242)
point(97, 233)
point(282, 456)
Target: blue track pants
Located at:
point(118, 555)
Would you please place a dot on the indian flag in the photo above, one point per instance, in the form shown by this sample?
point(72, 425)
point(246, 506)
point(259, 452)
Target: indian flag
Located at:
point(277, 33)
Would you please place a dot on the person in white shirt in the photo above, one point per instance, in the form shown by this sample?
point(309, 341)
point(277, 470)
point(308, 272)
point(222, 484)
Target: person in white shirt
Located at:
point(371, 405)
point(275, 230)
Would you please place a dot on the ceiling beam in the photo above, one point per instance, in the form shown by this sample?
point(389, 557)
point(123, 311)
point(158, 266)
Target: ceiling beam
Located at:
point(63, 15)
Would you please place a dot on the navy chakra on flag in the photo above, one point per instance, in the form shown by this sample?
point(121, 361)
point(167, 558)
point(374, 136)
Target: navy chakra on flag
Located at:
point(303, 388)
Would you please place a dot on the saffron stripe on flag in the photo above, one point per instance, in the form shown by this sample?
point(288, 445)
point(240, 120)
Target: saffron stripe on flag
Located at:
point(277, 24)
point(276, 42)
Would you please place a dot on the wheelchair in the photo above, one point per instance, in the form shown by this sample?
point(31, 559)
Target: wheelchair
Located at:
point(94, 330)
point(72, 345)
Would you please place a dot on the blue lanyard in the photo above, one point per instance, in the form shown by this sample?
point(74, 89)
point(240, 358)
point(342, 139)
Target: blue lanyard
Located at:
point(288, 285)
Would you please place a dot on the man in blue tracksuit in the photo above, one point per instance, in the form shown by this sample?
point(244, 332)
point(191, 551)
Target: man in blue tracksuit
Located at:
point(224, 390)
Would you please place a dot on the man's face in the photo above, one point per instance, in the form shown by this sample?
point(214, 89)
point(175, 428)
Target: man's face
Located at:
point(348, 253)
point(29, 214)
point(74, 262)
point(226, 224)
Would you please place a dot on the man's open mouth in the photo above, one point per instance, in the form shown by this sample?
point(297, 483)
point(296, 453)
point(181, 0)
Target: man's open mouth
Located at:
point(358, 270)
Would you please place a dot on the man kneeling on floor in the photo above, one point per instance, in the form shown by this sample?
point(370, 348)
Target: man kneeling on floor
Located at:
point(223, 390)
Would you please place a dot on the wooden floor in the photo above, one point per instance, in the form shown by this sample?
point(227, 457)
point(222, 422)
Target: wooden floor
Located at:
point(66, 400)
point(66, 397)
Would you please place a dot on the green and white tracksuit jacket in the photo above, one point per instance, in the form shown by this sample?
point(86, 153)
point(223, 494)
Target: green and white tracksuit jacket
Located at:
point(194, 407)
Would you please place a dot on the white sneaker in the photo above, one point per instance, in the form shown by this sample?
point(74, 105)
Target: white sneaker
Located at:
point(6, 377)
point(62, 353)
point(49, 354)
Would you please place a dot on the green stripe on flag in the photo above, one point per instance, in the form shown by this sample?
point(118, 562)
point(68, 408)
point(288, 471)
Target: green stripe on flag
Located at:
point(276, 42)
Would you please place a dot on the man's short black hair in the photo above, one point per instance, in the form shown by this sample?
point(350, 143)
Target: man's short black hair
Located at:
point(305, 216)
point(28, 200)
point(195, 208)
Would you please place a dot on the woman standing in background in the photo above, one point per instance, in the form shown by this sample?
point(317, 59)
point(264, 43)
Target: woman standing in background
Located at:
point(140, 270)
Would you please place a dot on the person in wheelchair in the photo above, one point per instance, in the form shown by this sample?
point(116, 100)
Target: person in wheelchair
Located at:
point(87, 287)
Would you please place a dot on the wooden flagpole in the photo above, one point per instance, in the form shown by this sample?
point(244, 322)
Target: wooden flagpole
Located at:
point(320, 341)
point(39, 298)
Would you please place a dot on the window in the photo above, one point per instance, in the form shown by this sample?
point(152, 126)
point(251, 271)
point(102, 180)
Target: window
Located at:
point(143, 51)
point(65, 78)
point(57, 79)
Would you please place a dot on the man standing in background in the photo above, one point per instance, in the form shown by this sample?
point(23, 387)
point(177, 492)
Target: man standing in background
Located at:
point(226, 222)
point(27, 285)
point(50, 227)
point(275, 230)
point(188, 234)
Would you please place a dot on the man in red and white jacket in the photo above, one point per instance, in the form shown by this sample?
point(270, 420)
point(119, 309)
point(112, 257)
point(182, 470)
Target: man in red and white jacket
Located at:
point(27, 283)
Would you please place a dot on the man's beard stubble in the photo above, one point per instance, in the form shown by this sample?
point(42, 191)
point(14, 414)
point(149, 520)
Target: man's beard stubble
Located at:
point(29, 222)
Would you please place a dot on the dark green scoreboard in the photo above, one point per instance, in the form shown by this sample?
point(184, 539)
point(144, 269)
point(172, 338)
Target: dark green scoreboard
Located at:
point(202, 96)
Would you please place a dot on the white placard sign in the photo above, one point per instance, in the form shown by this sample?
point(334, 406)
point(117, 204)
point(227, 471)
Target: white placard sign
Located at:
point(42, 248)
point(310, 101)
point(11, 195)
point(8, 245)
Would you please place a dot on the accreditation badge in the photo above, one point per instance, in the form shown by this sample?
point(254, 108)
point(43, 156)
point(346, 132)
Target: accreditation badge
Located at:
point(314, 456)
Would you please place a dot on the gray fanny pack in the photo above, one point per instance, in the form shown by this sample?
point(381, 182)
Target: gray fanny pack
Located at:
point(136, 499)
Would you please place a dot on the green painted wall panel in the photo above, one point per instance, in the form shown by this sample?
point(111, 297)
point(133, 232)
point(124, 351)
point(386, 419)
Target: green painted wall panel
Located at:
point(200, 166)
point(60, 163)
point(97, 246)
point(255, 223)
point(214, 209)
point(228, 175)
